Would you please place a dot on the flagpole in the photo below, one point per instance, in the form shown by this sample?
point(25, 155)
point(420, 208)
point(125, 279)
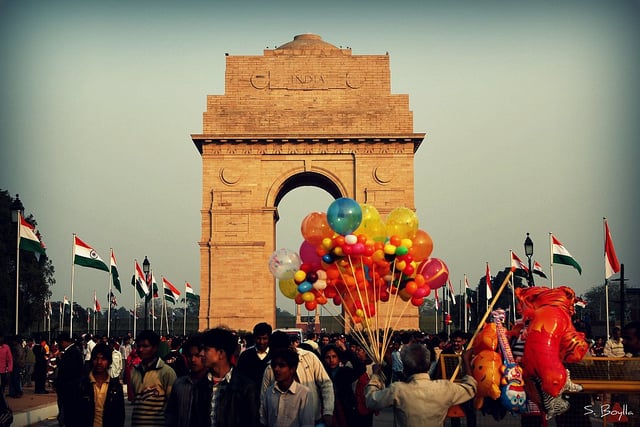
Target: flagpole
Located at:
point(109, 296)
point(448, 291)
point(18, 270)
point(606, 281)
point(73, 273)
point(513, 298)
point(135, 307)
point(466, 316)
point(184, 326)
point(153, 308)
point(166, 314)
point(551, 257)
point(437, 307)
point(460, 290)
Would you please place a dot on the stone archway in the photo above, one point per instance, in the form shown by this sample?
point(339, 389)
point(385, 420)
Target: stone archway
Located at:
point(304, 113)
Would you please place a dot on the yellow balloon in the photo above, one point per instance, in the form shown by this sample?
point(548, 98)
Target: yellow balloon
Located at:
point(402, 222)
point(288, 288)
point(371, 225)
point(299, 276)
point(308, 296)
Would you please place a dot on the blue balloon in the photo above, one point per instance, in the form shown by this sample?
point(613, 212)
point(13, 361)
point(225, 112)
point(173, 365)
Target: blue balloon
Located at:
point(304, 287)
point(344, 215)
point(328, 258)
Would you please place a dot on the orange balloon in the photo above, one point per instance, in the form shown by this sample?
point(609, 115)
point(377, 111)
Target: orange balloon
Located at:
point(315, 228)
point(422, 246)
point(411, 287)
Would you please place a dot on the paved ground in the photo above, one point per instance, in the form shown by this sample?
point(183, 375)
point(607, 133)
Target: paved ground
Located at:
point(41, 410)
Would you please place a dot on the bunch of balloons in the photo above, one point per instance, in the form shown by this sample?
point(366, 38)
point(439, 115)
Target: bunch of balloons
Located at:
point(351, 256)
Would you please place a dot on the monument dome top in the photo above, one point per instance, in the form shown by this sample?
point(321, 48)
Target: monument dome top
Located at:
point(307, 43)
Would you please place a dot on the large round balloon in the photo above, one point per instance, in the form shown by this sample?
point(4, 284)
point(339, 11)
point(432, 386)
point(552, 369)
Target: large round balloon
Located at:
point(284, 263)
point(315, 228)
point(344, 215)
point(434, 271)
point(309, 255)
point(402, 222)
point(372, 225)
point(422, 246)
point(288, 288)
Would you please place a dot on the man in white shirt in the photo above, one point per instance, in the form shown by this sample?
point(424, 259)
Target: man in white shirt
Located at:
point(311, 374)
point(614, 346)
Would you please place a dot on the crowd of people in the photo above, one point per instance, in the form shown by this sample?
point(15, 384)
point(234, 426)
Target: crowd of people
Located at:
point(264, 378)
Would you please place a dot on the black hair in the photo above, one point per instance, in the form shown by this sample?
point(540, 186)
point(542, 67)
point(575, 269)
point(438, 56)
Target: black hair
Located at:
point(262, 328)
point(149, 335)
point(221, 339)
point(64, 336)
point(288, 355)
point(278, 340)
point(329, 347)
point(104, 350)
point(193, 341)
point(458, 334)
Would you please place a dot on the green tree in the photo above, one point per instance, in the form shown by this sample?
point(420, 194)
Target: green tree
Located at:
point(36, 277)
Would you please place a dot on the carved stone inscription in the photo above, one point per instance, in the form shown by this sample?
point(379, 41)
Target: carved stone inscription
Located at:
point(306, 80)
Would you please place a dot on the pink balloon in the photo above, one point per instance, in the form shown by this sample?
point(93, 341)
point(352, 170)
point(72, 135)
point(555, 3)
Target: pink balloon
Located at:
point(309, 255)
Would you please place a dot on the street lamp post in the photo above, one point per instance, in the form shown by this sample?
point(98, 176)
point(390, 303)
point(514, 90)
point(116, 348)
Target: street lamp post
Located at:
point(17, 210)
point(146, 267)
point(528, 251)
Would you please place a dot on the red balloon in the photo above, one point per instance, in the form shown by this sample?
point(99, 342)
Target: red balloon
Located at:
point(311, 305)
point(309, 255)
point(417, 301)
point(422, 292)
point(435, 272)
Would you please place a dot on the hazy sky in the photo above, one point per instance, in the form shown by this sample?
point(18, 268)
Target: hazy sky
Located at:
point(530, 108)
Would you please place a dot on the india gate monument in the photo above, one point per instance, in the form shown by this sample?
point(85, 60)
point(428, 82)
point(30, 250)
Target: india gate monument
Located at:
point(306, 113)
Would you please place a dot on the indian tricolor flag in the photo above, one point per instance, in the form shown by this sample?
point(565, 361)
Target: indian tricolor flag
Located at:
point(115, 277)
point(562, 256)
point(86, 256)
point(611, 264)
point(188, 292)
point(29, 240)
point(171, 293)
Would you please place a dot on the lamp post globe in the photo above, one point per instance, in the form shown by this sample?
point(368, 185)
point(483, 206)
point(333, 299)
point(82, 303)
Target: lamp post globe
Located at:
point(146, 268)
point(528, 251)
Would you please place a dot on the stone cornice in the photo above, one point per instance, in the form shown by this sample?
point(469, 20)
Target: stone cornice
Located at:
point(296, 144)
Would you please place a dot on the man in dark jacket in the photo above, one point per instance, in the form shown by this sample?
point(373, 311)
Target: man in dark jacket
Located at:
point(227, 398)
point(67, 382)
point(102, 396)
point(181, 404)
point(254, 360)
